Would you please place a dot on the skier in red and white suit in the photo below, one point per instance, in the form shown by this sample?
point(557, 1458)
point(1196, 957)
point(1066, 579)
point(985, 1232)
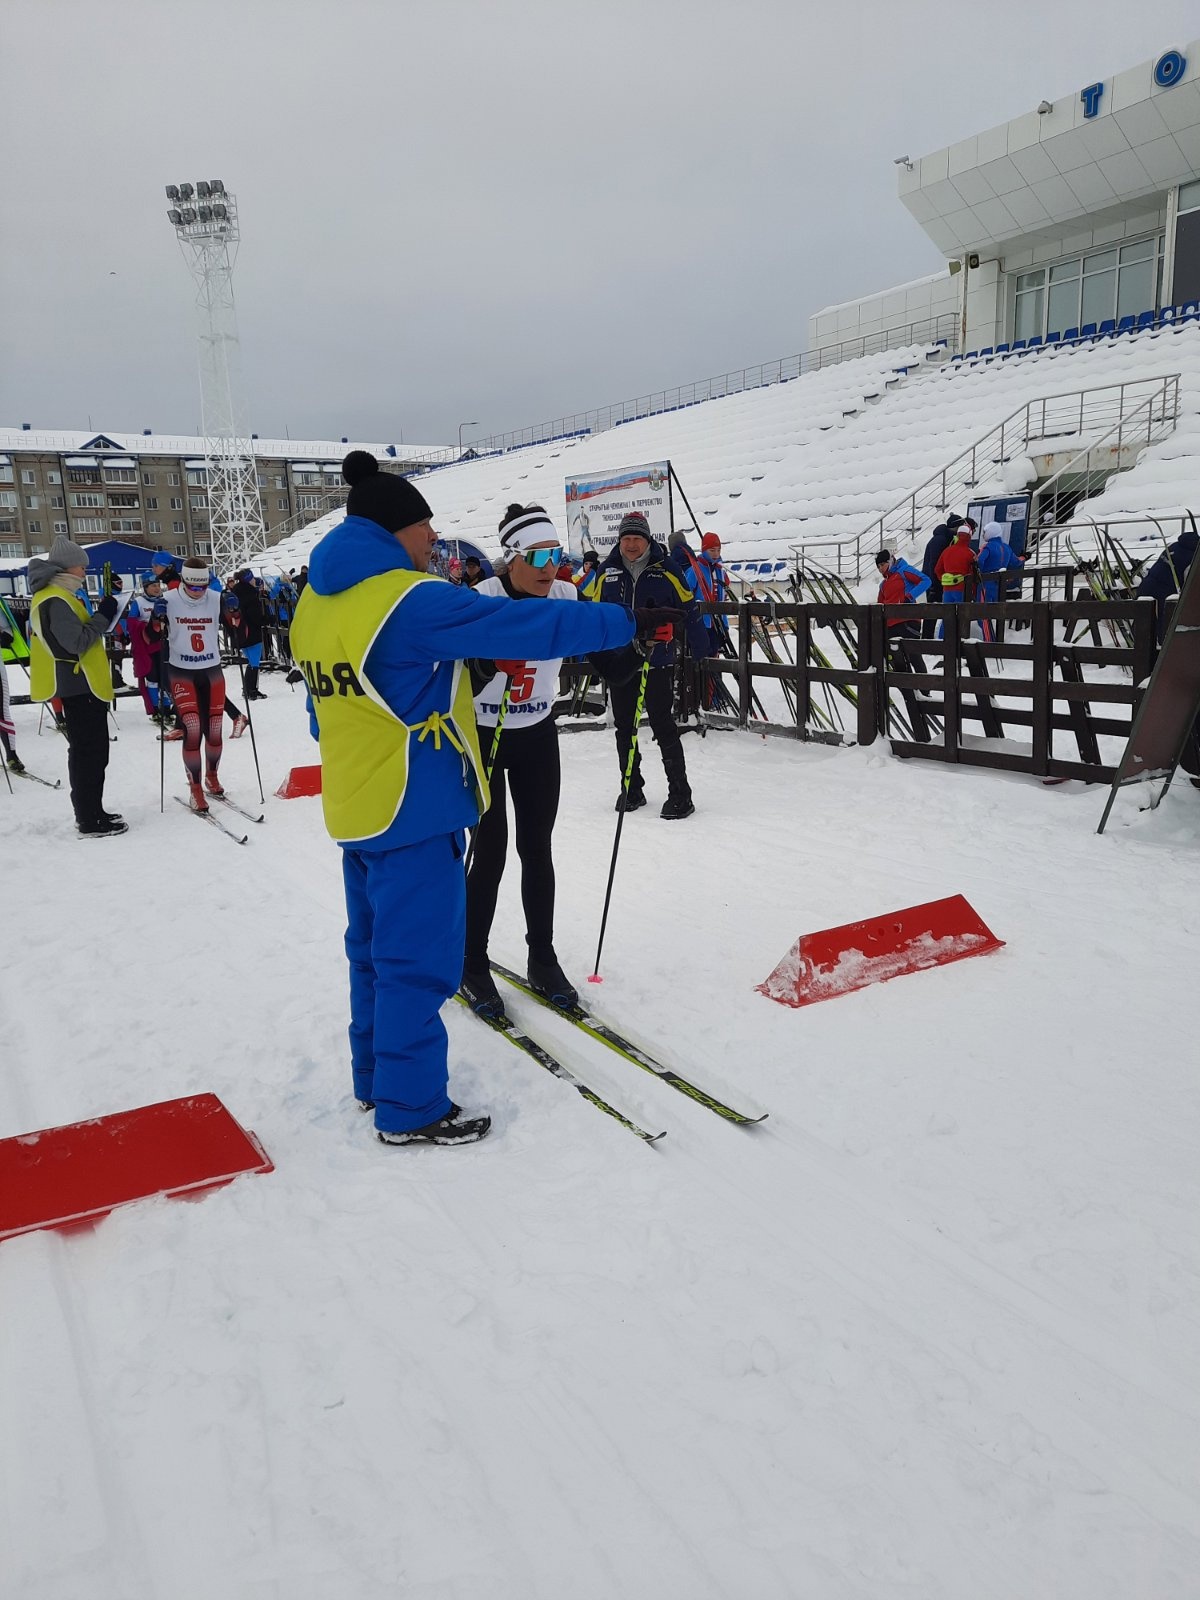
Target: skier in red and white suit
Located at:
point(190, 616)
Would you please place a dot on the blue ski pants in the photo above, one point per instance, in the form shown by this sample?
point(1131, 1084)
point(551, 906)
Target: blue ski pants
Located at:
point(406, 923)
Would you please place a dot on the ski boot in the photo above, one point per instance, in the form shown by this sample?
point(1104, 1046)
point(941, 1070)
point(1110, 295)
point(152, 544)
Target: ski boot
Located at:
point(240, 724)
point(633, 801)
point(549, 980)
point(677, 806)
point(196, 799)
point(213, 784)
point(479, 990)
point(453, 1128)
point(15, 764)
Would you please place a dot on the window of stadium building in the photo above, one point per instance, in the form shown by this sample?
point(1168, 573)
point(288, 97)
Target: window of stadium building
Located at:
point(1104, 285)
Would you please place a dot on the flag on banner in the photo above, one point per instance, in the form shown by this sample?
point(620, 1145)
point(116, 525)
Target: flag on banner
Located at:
point(596, 504)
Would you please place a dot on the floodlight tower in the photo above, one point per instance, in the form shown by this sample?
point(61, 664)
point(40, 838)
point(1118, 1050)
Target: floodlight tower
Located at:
point(205, 221)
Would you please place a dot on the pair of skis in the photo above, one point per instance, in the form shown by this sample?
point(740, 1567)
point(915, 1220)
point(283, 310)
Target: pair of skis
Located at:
point(595, 1028)
point(215, 821)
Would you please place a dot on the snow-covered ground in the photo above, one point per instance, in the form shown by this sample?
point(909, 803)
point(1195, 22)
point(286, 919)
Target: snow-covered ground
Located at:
point(932, 1330)
point(819, 458)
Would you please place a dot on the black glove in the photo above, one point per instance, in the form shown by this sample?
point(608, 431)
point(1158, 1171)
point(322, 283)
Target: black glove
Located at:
point(482, 672)
point(107, 608)
point(657, 623)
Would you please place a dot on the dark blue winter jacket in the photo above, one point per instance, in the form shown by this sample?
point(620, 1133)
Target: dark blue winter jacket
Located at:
point(941, 539)
point(660, 583)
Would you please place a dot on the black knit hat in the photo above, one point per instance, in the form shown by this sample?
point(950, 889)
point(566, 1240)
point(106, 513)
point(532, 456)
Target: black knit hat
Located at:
point(382, 497)
point(634, 522)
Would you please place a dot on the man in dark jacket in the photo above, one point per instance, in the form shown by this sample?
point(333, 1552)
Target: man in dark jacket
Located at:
point(940, 540)
point(638, 573)
point(1168, 575)
point(67, 661)
point(250, 604)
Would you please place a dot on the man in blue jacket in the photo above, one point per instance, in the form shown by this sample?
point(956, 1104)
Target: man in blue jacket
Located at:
point(639, 573)
point(996, 555)
point(381, 643)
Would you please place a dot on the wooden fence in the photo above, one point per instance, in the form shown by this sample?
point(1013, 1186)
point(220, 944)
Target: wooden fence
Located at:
point(946, 699)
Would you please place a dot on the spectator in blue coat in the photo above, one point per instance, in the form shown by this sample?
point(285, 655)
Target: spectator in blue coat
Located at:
point(996, 555)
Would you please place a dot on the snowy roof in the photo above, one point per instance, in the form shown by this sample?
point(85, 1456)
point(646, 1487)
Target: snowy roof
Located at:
point(864, 299)
point(56, 442)
point(817, 459)
point(1026, 178)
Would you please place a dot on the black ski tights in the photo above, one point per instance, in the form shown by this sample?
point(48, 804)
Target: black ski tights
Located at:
point(528, 760)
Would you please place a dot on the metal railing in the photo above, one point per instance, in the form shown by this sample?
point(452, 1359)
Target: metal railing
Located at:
point(1088, 471)
point(1123, 410)
point(930, 333)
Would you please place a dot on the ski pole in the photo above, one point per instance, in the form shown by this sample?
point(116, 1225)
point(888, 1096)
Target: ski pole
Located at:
point(627, 780)
point(489, 764)
point(250, 723)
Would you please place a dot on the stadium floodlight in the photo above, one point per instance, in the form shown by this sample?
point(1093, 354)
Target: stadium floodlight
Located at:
point(172, 191)
point(1046, 106)
point(208, 236)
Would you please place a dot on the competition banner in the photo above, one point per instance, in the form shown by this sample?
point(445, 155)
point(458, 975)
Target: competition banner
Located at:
point(596, 504)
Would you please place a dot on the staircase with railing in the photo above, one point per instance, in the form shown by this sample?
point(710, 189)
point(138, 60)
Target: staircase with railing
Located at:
point(1113, 418)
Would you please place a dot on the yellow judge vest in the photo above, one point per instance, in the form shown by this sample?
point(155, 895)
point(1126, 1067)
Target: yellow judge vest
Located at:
point(93, 663)
point(364, 744)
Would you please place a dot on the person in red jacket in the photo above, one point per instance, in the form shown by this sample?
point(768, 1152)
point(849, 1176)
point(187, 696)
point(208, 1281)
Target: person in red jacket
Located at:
point(955, 565)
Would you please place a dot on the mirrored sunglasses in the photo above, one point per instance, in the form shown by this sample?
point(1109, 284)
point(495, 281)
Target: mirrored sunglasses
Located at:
point(550, 557)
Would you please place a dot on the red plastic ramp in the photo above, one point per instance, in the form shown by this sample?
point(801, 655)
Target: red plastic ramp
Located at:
point(81, 1172)
point(836, 960)
point(300, 781)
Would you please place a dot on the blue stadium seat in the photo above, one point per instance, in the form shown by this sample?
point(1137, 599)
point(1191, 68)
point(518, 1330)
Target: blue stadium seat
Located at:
point(1035, 342)
point(1018, 345)
point(1189, 311)
point(1053, 338)
point(984, 353)
point(1088, 331)
point(1108, 327)
point(1125, 325)
point(1070, 335)
point(1002, 349)
point(971, 355)
point(1145, 320)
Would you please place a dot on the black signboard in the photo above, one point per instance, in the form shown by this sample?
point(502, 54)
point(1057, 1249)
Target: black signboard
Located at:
point(1171, 703)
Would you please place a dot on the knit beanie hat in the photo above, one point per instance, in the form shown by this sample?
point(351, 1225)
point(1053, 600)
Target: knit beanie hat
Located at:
point(195, 574)
point(634, 522)
point(710, 541)
point(66, 553)
point(382, 497)
point(525, 526)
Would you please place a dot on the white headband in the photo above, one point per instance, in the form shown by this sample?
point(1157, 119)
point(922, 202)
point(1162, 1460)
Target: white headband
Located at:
point(527, 530)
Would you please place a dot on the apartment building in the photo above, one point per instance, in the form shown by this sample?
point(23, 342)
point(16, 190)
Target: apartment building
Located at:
point(152, 489)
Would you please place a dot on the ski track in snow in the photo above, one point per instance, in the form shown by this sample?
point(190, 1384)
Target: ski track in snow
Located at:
point(929, 1331)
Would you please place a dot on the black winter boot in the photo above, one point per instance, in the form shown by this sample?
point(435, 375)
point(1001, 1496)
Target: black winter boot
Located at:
point(478, 989)
point(678, 803)
point(549, 980)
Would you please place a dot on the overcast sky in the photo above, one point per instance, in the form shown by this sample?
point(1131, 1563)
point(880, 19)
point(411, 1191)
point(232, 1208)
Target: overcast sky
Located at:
point(488, 212)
